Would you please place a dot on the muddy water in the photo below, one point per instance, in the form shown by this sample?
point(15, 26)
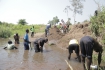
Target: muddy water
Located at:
point(52, 58)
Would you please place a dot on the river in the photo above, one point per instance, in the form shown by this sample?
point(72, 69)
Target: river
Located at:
point(52, 58)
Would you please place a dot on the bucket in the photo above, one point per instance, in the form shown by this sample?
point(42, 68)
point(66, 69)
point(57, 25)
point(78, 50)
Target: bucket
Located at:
point(61, 31)
point(95, 67)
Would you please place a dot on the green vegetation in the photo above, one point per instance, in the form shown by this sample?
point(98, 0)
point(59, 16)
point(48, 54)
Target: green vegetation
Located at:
point(98, 29)
point(5, 32)
point(54, 21)
point(22, 22)
point(98, 24)
point(8, 29)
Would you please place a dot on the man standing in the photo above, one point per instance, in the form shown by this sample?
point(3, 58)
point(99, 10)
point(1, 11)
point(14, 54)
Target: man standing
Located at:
point(88, 44)
point(26, 40)
point(73, 45)
point(16, 37)
point(38, 44)
point(47, 30)
point(32, 31)
point(96, 12)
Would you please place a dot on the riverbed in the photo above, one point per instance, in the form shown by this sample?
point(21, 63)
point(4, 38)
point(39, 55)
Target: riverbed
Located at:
point(52, 58)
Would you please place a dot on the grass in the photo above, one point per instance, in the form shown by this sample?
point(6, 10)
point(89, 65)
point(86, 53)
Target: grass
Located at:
point(8, 30)
point(103, 59)
point(21, 29)
point(103, 55)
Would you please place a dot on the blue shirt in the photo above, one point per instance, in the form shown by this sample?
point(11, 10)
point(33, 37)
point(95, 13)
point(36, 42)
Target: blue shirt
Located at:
point(48, 26)
point(26, 37)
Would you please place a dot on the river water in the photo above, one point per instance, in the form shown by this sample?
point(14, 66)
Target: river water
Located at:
point(52, 58)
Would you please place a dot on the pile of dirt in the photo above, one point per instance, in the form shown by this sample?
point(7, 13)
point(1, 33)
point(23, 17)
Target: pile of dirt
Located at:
point(55, 34)
point(76, 31)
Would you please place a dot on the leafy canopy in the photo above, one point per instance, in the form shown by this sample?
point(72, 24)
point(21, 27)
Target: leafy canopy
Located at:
point(22, 22)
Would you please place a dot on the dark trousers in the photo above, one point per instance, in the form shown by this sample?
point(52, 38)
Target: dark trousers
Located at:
point(26, 46)
point(37, 49)
point(46, 32)
point(86, 49)
point(16, 42)
point(74, 47)
point(32, 34)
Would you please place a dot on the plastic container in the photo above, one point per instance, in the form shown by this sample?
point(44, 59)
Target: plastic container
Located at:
point(94, 66)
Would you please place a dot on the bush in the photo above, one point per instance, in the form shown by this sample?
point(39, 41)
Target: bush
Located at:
point(98, 28)
point(98, 22)
point(8, 29)
point(5, 32)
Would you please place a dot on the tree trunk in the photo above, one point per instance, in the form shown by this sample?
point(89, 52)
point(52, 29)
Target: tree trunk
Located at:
point(67, 14)
point(74, 18)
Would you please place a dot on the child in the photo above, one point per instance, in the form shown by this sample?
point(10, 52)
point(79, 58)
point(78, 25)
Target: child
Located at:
point(10, 46)
point(16, 37)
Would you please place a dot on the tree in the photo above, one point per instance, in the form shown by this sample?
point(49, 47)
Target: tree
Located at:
point(22, 22)
point(50, 22)
point(68, 21)
point(55, 20)
point(0, 22)
point(77, 7)
point(97, 3)
point(66, 10)
point(98, 23)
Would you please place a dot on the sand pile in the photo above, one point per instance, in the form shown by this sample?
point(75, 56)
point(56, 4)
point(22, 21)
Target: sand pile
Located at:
point(55, 34)
point(76, 31)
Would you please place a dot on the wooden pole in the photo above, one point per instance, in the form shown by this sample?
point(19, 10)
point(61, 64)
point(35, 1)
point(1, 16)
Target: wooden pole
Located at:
point(69, 65)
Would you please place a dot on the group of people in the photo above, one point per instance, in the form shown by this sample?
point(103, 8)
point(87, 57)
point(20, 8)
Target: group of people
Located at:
point(64, 26)
point(10, 44)
point(87, 45)
point(38, 43)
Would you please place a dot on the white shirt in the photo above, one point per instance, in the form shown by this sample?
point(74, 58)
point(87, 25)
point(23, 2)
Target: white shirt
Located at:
point(73, 41)
point(10, 46)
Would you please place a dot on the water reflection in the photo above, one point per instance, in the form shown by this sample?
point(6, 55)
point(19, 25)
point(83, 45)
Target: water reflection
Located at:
point(12, 53)
point(26, 55)
point(52, 58)
point(38, 57)
point(17, 45)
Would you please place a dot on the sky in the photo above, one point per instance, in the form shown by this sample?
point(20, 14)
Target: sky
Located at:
point(41, 11)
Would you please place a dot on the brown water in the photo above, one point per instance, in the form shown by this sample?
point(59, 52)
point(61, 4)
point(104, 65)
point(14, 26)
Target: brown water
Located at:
point(52, 58)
